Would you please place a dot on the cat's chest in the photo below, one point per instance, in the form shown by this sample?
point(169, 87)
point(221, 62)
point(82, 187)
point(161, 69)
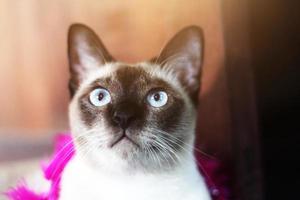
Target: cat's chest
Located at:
point(79, 183)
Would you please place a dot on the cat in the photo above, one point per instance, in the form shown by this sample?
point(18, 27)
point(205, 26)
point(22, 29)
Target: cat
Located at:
point(133, 124)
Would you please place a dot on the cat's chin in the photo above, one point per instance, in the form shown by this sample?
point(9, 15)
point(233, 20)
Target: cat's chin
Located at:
point(125, 148)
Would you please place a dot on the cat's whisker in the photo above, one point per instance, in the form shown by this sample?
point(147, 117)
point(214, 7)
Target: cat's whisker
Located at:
point(176, 141)
point(163, 152)
point(79, 149)
point(85, 150)
point(157, 157)
point(67, 154)
point(166, 147)
point(169, 148)
point(149, 153)
point(186, 144)
point(72, 150)
point(194, 159)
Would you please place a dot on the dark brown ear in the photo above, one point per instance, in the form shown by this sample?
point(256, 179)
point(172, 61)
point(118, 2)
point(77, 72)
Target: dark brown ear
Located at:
point(86, 53)
point(184, 54)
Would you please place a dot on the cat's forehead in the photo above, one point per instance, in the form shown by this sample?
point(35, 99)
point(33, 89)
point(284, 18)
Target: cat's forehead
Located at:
point(132, 76)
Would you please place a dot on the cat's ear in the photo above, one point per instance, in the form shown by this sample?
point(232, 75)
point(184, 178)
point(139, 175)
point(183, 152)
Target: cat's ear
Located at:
point(184, 54)
point(86, 53)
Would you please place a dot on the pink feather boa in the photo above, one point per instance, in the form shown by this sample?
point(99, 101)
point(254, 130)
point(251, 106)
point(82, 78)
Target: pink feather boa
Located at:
point(64, 151)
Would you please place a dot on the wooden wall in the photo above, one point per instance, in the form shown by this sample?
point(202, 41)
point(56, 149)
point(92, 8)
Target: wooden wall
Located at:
point(33, 61)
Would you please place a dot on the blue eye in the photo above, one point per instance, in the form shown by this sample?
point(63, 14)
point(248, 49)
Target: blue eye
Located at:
point(157, 99)
point(100, 97)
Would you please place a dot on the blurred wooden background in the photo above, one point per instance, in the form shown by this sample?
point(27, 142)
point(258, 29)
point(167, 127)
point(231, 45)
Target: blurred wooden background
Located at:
point(33, 59)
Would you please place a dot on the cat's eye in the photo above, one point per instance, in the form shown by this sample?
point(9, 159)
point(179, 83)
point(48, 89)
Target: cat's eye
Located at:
point(157, 99)
point(100, 97)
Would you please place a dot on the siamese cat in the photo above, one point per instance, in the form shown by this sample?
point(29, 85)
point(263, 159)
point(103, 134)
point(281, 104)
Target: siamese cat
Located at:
point(133, 125)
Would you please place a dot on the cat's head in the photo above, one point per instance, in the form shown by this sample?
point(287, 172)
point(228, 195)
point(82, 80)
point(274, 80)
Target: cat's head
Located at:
point(134, 116)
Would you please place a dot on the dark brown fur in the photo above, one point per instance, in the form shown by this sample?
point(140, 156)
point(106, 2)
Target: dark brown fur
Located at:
point(129, 88)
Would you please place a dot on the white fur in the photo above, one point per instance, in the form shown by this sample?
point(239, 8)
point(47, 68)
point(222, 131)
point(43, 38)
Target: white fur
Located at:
point(81, 181)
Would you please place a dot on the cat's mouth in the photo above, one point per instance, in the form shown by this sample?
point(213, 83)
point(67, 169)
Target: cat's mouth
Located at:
point(122, 137)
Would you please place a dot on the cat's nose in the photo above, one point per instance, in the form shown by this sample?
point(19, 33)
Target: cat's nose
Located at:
point(123, 118)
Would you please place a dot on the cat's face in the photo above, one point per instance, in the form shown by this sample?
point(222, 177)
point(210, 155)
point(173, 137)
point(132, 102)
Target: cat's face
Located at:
point(134, 116)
